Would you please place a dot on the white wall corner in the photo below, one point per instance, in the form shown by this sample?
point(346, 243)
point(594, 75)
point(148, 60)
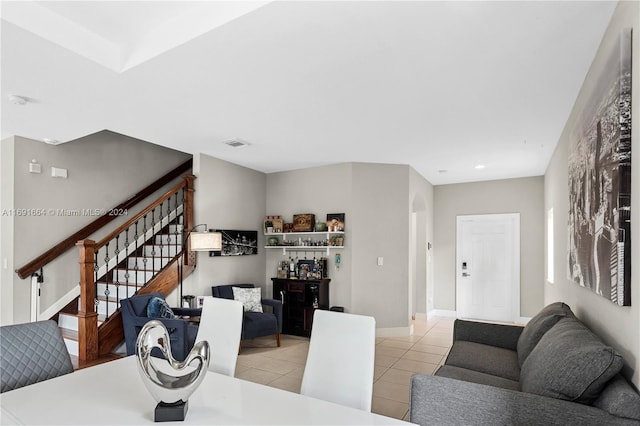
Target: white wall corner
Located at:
point(421, 316)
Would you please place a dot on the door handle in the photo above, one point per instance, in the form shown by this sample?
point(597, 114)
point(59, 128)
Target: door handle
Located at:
point(465, 274)
point(282, 296)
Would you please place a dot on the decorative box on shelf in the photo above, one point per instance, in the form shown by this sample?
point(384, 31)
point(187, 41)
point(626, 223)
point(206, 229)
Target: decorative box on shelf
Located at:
point(305, 222)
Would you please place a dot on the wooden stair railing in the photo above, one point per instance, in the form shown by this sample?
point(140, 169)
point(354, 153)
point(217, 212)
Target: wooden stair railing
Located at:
point(166, 279)
point(69, 242)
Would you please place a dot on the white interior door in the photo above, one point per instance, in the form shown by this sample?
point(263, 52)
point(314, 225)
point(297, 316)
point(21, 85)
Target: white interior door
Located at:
point(488, 267)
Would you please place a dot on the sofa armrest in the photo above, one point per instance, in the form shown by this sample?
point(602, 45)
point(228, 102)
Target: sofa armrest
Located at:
point(502, 336)
point(187, 312)
point(277, 310)
point(442, 401)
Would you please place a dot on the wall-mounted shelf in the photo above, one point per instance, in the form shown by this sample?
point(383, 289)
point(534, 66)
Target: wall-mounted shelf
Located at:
point(310, 247)
point(284, 234)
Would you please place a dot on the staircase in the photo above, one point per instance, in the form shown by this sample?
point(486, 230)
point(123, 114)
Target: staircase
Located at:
point(127, 278)
point(143, 255)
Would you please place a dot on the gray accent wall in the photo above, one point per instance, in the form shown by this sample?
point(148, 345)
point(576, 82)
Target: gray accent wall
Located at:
point(6, 230)
point(227, 196)
point(377, 200)
point(618, 326)
point(317, 190)
point(524, 196)
point(104, 169)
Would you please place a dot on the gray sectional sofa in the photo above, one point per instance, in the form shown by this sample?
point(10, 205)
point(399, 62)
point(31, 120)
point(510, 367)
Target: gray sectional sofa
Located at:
point(552, 371)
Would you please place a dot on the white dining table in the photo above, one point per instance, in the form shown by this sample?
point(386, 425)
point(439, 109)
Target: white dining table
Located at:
point(113, 394)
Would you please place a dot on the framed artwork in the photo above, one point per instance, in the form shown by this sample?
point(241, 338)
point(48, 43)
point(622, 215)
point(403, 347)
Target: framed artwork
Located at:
point(599, 246)
point(335, 221)
point(236, 243)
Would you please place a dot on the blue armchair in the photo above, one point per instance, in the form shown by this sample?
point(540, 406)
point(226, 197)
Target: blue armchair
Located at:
point(255, 324)
point(182, 333)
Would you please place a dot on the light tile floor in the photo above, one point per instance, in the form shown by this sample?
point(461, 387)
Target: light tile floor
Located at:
point(397, 358)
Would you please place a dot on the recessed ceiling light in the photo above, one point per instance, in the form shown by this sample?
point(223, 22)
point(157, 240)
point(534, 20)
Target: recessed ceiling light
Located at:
point(236, 143)
point(18, 100)
point(50, 141)
point(480, 166)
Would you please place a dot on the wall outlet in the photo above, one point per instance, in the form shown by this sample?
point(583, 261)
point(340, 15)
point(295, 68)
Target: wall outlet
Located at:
point(380, 260)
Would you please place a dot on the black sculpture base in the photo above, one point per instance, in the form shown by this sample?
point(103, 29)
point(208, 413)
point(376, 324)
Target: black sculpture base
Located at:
point(175, 412)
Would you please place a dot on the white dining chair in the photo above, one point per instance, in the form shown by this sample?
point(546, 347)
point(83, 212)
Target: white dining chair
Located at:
point(341, 357)
point(221, 326)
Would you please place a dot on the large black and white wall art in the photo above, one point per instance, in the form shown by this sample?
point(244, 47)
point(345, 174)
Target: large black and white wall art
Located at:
point(237, 243)
point(599, 246)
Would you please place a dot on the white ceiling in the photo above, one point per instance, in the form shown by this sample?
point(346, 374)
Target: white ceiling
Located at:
point(436, 85)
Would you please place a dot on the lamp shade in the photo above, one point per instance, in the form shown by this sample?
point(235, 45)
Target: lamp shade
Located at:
point(205, 241)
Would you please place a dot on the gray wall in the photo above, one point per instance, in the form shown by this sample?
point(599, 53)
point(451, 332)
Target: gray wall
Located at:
point(524, 196)
point(421, 198)
point(104, 169)
point(377, 203)
point(318, 190)
point(6, 230)
point(381, 210)
point(618, 326)
point(227, 196)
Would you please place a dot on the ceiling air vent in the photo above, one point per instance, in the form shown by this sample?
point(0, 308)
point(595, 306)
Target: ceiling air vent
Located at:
point(236, 143)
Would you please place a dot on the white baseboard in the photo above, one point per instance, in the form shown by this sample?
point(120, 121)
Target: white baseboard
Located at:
point(421, 316)
point(393, 332)
point(61, 303)
point(523, 320)
point(441, 313)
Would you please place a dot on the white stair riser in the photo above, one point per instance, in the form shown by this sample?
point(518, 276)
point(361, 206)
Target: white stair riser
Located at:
point(138, 277)
point(173, 228)
point(72, 346)
point(123, 292)
point(155, 263)
point(102, 307)
point(69, 322)
point(168, 239)
point(167, 251)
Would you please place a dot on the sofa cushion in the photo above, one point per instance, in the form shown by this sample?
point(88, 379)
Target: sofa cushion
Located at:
point(476, 377)
point(226, 291)
point(484, 359)
point(569, 362)
point(620, 399)
point(538, 326)
point(249, 297)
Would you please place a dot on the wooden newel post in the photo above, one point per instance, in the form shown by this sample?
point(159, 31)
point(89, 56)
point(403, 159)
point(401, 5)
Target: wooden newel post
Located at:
point(188, 216)
point(87, 315)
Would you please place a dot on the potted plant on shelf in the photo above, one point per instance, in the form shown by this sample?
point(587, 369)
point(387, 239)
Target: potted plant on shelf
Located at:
point(268, 226)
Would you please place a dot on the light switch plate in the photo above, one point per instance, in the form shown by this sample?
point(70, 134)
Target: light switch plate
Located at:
point(59, 173)
point(35, 168)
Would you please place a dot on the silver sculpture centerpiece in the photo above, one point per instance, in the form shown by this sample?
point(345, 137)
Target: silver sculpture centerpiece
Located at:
point(171, 389)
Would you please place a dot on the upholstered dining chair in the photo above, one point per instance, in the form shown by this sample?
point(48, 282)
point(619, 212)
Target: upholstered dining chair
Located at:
point(255, 324)
point(181, 332)
point(340, 361)
point(221, 326)
point(31, 353)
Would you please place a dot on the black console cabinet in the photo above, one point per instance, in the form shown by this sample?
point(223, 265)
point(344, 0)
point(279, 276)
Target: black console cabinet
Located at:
point(300, 298)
